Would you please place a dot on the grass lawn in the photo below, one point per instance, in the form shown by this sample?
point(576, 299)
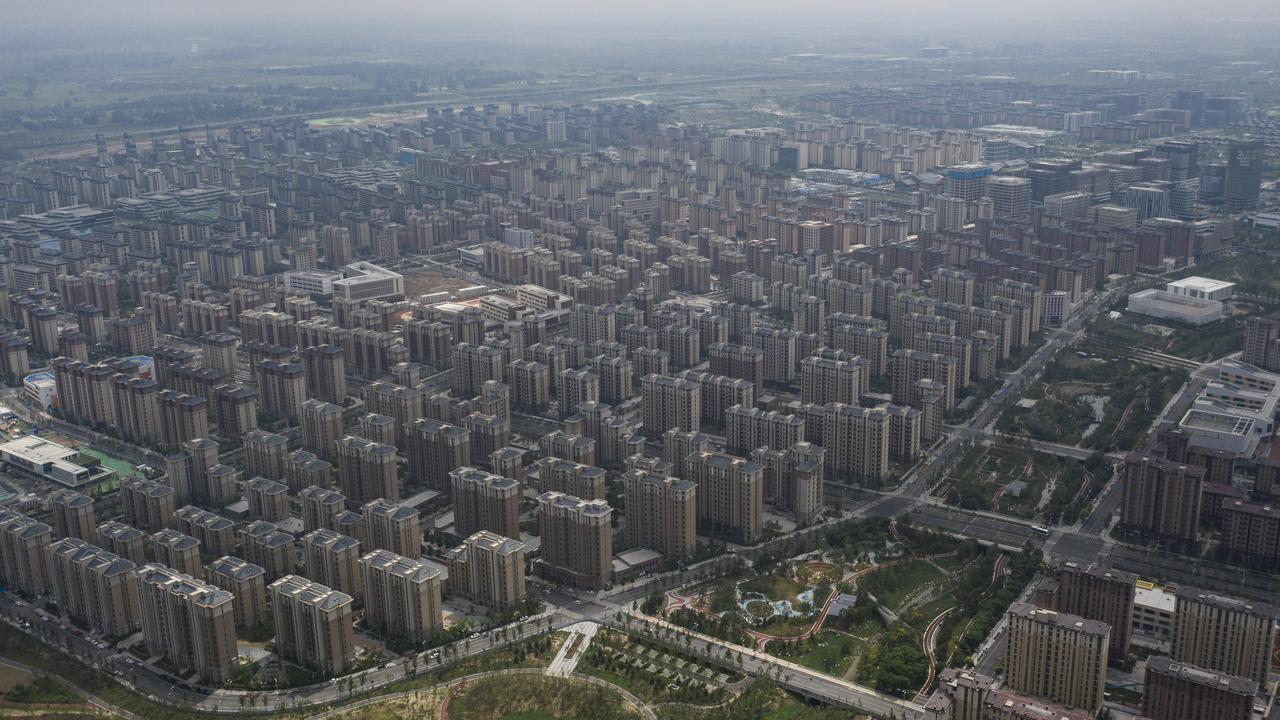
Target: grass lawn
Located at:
point(787, 626)
point(536, 696)
point(892, 585)
point(828, 652)
point(775, 586)
point(762, 701)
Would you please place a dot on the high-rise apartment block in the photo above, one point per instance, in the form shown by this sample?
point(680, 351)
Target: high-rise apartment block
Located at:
point(1179, 691)
point(367, 471)
point(577, 540)
point(314, 625)
point(661, 513)
point(1059, 657)
point(435, 450)
point(178, 551)
point(332, 559)
point(190, 623)
point(247, 583)
point(488, 569)
point(668, 403)
point(401, 597)
point(94, 586)
point(72, 514)
point(1094, 593)
point(24, 545)
point(730, 495)
point(1162, 499)
point(391, 526)
point(483, 501)
point(321, 428)
point(1222, 633)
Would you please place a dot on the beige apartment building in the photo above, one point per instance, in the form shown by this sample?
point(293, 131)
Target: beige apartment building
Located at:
point(188, 622)
point(1058, 657)
point(394, 527)
point(314, 625)
point(483, 501)
point(661, 513)
point(94, 586)
point(577, 541)
point(487, 569)
point(332, 559)
point(401, 597)
point(1221, 633)
point(247, 583)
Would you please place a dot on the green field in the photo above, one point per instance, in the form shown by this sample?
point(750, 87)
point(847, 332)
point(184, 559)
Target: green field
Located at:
point(536, 696)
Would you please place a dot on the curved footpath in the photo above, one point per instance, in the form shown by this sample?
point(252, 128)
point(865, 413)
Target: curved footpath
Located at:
point(459, 683)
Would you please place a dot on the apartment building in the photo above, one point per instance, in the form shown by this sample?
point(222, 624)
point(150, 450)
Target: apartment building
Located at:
point(247, 583)
point(483, 501)
point(391, 526)
point(188, 622)
point(94, 586)
point(1059, 657)
point(1223, 633)
point(314, 625)
point(729, 495)
point(577, 541)
point(401, 597)
point(661, 513)
point(487, 569)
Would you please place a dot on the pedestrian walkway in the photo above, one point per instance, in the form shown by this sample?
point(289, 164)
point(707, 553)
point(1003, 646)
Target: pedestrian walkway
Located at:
point(566, 660)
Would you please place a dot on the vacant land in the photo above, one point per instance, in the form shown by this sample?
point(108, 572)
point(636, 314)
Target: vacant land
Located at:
point(422, 282)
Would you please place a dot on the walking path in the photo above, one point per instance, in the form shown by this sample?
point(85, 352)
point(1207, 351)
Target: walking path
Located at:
point(566, 660)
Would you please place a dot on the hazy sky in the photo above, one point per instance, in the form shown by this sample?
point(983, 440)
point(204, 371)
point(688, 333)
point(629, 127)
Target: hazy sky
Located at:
point(681, 17)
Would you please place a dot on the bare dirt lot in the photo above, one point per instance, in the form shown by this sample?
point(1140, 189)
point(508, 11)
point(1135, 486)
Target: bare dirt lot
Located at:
point(428, 281)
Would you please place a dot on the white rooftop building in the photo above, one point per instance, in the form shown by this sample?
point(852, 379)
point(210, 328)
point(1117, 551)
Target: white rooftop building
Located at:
point(1202, 288)
point(1172, 306)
